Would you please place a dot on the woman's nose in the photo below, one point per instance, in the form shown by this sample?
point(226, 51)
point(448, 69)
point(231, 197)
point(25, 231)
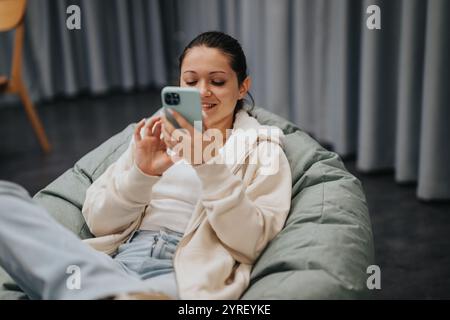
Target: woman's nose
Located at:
point(204, 91)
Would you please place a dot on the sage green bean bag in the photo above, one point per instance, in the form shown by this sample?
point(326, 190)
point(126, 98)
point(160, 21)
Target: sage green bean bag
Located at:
point(323, 251)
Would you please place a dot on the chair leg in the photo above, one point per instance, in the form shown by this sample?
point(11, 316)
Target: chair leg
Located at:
point(33, 117)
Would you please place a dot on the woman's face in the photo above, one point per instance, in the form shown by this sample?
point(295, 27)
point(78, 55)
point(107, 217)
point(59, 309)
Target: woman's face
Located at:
point(209, 70)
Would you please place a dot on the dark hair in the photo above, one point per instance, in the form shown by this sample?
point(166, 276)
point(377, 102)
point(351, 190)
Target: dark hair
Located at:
point(229, 46)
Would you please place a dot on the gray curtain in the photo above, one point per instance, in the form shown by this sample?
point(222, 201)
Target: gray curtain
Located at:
point(119, 46)
point(382, 95)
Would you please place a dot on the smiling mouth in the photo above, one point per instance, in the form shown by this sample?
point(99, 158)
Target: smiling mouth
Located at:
point(208, 106)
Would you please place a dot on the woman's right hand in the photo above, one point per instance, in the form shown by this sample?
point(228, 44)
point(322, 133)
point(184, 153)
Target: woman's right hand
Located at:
point(150, 150)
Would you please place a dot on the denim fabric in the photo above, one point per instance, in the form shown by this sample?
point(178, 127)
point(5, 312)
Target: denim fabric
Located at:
point(36, 251)
point(149, 255)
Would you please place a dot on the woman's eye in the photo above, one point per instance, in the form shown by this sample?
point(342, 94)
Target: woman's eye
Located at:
point(218, 83)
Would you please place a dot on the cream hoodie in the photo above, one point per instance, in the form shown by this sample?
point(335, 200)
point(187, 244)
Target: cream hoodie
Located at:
point(245, 200)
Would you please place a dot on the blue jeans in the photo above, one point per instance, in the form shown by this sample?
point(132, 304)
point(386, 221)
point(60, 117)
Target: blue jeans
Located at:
point(44, 258)
point(149, 255)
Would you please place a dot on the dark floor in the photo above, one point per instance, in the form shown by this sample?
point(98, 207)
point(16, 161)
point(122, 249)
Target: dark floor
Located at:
point(412, 241)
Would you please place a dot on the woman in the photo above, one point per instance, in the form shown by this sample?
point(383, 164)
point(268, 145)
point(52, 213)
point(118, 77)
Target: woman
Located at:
point(185, 229)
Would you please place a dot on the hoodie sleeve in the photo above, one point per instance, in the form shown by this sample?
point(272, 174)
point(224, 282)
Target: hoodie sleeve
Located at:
point(118, 197)
point(244, 216)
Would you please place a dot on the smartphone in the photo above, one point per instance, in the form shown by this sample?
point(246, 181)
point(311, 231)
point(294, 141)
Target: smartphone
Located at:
point(185, 101)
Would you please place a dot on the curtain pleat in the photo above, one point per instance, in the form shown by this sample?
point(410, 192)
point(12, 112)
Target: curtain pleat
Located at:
point(434, 159)
point(411, 54)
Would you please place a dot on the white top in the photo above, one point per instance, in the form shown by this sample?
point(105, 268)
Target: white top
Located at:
point(174, 198)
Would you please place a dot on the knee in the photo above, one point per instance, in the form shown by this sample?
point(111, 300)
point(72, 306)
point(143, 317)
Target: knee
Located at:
point(11, 193)
point(12, 189)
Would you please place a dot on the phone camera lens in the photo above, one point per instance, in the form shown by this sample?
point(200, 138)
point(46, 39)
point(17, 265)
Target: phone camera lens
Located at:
point(172, 98)
point(175, 98)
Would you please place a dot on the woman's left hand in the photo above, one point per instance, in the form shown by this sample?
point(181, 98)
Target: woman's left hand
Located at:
point(187, 142)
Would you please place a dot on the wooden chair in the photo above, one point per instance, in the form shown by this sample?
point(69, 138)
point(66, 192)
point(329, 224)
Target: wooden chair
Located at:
point(12, 14)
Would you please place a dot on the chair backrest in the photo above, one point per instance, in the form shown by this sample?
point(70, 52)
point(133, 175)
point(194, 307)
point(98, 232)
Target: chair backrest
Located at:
point(11, 13)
